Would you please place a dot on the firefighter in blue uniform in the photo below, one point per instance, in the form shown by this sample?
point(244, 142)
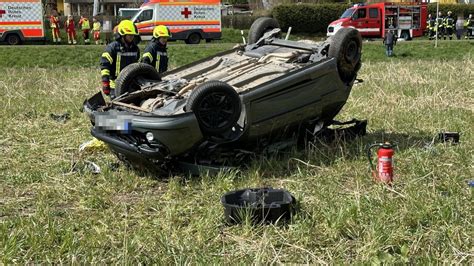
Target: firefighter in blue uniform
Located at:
point(155, 53)
point(439, 24)
point(119, 54)
point(449, 23)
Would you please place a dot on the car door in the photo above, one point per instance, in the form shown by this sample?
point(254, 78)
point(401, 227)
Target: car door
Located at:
point(360, 21)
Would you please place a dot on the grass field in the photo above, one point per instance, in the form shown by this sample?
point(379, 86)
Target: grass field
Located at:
point(53, 210)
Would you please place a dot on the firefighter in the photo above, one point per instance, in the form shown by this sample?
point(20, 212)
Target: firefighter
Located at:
point(469, 24)
point(120, 53)
point(155, 53)
point(96, 30)
point(389, 40)
point(54, 24)
point(85, 27)
point(430, 23)
point(70, 30)
point(449, 22)
point(439, 25)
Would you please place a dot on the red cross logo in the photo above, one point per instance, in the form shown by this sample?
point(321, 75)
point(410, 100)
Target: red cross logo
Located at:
point(186, 12)
point(2, 12)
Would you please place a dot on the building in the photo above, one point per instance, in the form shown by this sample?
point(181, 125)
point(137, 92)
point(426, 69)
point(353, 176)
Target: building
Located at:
point(85, 7)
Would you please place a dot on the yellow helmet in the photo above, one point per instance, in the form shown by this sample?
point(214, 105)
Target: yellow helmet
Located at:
point(161, 31)
point(126, 27)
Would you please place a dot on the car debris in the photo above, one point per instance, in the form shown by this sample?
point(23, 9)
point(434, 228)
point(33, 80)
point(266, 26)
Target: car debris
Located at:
point(61, 118)
point(259, 90)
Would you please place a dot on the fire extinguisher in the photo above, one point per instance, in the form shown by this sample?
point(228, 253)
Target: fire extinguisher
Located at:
point(384, 170)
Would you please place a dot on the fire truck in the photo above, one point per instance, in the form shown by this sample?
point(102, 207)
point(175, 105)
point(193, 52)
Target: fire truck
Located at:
point(407, 19)
point(21, 20)
point(188, 20)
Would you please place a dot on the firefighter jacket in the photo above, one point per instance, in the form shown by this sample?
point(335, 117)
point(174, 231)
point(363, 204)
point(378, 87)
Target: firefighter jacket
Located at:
point(96, 26)
point(84, 23)
point(469, 22)
point(156, 55)
point(69, 25)
point(54, 22)
point(439, 22)
point(449, 22)
point(430, 23)
point(116, 57)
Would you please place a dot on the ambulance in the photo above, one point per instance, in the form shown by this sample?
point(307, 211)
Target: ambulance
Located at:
point(407, 19)
point(188, 20)
point(21, 20)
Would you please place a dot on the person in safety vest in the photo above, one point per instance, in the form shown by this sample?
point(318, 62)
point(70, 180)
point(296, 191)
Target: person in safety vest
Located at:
point(54, 24)
point(430, 25)
point(469, 24)
point(155, 53)
point(96, 30)
point(70, 30)
point(119, 54)
point(449, 23)
point(85, 27)
point(439, 25)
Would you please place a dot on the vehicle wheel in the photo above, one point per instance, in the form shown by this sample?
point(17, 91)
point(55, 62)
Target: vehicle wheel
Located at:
point(13, 39)
point(259, 27)
point(133, 76)
point(193, 38)
point(346, 47)
point(217, 107)
point(405, 35)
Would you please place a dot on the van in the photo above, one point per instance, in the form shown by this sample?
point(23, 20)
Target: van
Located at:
point(191, 21)
point(21, 21)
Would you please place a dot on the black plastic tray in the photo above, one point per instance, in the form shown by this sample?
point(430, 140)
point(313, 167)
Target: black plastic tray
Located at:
point(266, 205)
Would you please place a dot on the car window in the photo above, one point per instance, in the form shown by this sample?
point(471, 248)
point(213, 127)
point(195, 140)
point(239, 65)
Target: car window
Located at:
point(361, 13)
point(373, 13)
point(145, 15)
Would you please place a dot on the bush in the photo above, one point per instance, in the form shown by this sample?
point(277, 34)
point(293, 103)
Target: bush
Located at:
point(238, 21)
point(308, 18)
point(457, 9)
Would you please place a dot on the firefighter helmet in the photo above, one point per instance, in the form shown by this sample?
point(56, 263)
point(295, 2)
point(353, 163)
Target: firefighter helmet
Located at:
point(126, 27)
point(161, 31)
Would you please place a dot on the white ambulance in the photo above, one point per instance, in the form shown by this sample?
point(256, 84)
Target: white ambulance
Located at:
point(21, 20)
point(188, 20)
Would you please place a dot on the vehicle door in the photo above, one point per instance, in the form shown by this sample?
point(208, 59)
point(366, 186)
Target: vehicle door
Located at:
point(360, 21)
point(374, 22)
point(144, 21)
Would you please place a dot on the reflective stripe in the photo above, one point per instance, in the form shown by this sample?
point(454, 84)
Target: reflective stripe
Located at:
point(117, 66)
point(162, 53)
point(112, 84)
point(158, 58)
point(148, 54)
point(129, 54)
point(105, 72)
point(108, 57)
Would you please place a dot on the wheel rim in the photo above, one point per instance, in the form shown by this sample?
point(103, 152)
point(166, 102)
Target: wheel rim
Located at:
point(12, 40)
point(215, 110)
point(194, 38)
point(352, 51)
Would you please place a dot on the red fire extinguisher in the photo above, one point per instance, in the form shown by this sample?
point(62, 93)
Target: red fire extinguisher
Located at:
point(384, 169)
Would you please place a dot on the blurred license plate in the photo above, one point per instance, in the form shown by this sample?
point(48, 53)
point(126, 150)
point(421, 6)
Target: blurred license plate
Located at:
point(114, 121)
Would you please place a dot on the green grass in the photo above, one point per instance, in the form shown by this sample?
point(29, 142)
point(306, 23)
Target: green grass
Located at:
point(53, 210)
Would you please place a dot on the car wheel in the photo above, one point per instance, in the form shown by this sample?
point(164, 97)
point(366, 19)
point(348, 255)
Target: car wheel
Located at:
point(259, 27)
point(13, 39)
point(133, 76)
point(216, 105)
point(346, 46)
point(193, 38)
point(405, 35)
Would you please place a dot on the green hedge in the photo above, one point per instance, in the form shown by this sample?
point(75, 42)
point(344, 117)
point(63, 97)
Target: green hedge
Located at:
point(311, 18)
point(308, 18)
point(459, 9)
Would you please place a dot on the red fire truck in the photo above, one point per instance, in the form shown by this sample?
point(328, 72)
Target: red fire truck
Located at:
point(407, 19)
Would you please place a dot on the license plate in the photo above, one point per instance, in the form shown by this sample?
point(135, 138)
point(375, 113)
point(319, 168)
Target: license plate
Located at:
point(114, 122)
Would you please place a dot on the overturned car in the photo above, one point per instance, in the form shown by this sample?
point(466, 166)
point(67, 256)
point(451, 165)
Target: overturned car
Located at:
point(238, 96)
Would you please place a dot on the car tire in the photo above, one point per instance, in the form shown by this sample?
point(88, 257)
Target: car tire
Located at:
point(193, 38)
point(405, 35)
point(346, 46)
point(127, 79)
point(259, 27)
point(13, 39)
point(216, 105)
